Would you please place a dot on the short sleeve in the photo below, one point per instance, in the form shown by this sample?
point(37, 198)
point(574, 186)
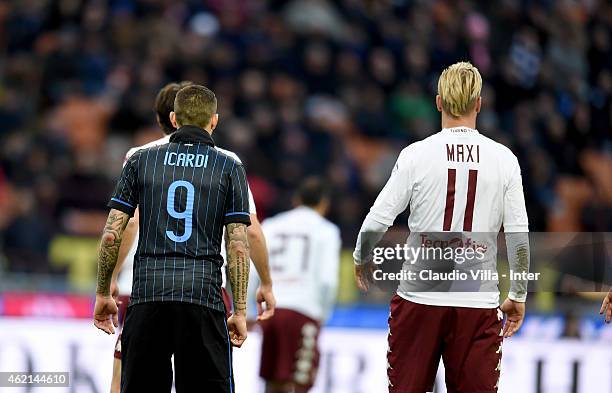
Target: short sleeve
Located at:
point(129, 154)
point(515, 212)
point(252, 207)
point(125, 196)
point(237, 208)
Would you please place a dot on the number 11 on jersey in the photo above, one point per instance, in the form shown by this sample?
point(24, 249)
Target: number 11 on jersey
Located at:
point(450, 200)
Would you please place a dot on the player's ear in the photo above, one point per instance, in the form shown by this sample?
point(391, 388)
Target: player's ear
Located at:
point(478, 104)
point(214, 120)
point(173, 120)
point(439, 102)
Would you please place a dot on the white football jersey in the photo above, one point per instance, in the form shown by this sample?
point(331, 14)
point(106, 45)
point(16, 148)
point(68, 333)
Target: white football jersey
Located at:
point(457, 180)
point(304, 251)
point(125, 278)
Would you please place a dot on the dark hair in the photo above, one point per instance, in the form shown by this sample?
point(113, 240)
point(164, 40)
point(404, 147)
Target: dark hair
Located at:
point(312, 191)
point(195, 105)
point(164, 104)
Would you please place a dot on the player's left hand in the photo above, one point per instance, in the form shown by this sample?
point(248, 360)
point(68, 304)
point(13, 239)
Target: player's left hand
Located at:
point(106, 314)
point(515, 313)
point(606, 307)
point(265, 295)
point(364, 275)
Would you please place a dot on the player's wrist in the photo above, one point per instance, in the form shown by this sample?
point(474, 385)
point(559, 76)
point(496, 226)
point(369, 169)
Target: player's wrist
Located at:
point(517, 297)
point(359, 260)
point(266, 286)
point(240, 310)
point(103, 295)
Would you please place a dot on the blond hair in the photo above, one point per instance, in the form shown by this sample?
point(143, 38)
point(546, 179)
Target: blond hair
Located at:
point(459, 87)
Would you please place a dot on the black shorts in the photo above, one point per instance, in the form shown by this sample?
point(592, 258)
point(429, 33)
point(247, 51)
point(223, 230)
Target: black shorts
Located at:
point(197, 337)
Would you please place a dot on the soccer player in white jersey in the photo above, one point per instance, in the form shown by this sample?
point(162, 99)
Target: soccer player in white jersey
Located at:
point(460, 181)
point(121, 285)
point(304, 249)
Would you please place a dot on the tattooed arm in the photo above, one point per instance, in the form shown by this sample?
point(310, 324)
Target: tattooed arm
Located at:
point(518, 258)
point(106, 307)
point(109, 249)
point(238, 265)
point(130, 235)
point(514, 306)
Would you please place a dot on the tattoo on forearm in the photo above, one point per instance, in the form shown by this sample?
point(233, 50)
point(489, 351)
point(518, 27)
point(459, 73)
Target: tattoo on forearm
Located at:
point(109, 249)
point(238, 264)
point(517, 244)
point(522, 265)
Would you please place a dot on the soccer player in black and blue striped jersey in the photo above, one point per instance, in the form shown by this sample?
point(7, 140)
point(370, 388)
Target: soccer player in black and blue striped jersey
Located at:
point(164, 105)
point(186, 192)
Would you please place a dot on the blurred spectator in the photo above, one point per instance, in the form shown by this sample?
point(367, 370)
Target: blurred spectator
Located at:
point(317, 86)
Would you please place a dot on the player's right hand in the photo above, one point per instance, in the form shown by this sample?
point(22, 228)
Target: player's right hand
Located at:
point(265, 295)
point(606, 307)
point(515, 313)
point(364, 275)
point(106, 310)
point(237, 327)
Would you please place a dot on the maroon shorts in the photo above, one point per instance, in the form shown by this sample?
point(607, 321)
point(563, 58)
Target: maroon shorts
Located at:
point(469, 341)
point(124, 299)
point(290, 351)
point(227, 301)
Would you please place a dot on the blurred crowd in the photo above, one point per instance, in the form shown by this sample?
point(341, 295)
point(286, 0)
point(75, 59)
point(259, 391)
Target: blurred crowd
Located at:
point(335, 88)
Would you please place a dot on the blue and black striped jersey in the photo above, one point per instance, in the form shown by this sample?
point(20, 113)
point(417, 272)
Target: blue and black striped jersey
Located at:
point(186, 191)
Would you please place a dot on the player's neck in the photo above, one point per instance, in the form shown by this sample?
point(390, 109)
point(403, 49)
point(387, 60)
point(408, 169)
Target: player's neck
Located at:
point(208, 129)
point(320, 209)
point(464, 121)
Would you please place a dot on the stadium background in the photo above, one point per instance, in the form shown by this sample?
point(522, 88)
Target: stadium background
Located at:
point(335, 88)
